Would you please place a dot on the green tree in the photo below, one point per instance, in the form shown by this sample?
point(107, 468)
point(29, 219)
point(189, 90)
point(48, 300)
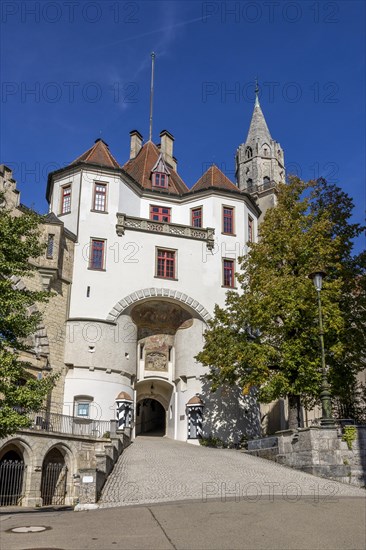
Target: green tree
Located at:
point(350, 395)
point(267, 335)
point(20, 393)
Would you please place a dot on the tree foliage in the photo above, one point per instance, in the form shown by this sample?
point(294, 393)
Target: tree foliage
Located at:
point(20, 393)
point(267, 335)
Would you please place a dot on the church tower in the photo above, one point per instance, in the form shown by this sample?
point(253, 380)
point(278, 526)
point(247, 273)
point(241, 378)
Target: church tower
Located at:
point(260, 161)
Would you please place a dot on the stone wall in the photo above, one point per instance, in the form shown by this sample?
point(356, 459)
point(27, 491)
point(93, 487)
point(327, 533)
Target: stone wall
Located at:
point(318, 451)
point(89, 462)
point(323, 452)
point(53, 273)
point(8, 188)
point(53, 331)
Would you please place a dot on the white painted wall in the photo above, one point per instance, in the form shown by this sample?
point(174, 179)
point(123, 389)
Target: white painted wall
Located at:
point(130, 265)
point(73, 178)
point(90, 343)
point(188, 342)
point(103, 387)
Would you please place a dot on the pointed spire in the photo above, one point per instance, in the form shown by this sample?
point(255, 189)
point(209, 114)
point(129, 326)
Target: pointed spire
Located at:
point(258, 129)
point(256, 91)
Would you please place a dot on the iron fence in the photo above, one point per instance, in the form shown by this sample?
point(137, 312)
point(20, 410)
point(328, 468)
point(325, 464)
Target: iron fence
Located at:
point(11, 482)
point(60, 423)
point(53, 486)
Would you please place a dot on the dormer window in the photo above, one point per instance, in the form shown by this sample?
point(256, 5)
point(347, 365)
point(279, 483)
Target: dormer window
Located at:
point(160, 174)
point(248, 152)
point(160, 180)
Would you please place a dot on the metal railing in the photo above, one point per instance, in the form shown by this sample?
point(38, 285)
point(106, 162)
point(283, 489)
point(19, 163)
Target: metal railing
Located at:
point(60, 423)
point(261, 188)
point(11, 482)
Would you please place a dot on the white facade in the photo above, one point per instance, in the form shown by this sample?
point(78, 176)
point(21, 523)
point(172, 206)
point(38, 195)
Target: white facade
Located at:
point(131, 329)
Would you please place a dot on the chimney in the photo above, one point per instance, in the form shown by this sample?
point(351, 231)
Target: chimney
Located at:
point(167, 148)
point(136, 143)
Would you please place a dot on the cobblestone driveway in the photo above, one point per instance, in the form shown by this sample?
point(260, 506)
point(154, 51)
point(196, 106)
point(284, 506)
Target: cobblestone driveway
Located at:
point(158, 469)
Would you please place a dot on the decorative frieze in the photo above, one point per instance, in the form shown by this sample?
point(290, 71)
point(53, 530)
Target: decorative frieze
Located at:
point(175, 229)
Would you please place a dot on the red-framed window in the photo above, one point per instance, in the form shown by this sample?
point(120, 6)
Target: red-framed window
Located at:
point(66, 199)
point(159, 179)
point(165, 263)
point(196, 220)
point(250, 229)
point(97, 254)
point(160, 213)
point(100, 197)
point(228, 273)
point(228, 220)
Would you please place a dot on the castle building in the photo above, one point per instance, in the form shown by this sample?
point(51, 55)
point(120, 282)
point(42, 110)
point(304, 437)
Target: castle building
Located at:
point(152, 258)
point(136, 261)
point(260, 162)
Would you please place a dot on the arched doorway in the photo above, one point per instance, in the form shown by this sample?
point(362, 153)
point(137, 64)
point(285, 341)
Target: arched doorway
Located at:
point(54, 478)
point(12, 470)
point(150, 417)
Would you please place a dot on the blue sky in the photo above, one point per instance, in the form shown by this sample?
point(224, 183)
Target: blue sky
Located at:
point(75, 71)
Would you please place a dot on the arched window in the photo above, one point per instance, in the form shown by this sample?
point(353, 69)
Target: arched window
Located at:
point(266, 181)
point(248, 152)
point(249, 182)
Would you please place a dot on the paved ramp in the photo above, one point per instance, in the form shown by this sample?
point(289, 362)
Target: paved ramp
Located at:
point(158, 469)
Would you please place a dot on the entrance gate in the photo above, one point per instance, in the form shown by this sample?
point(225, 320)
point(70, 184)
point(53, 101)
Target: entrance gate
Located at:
point(53, 486)
point(11, 482)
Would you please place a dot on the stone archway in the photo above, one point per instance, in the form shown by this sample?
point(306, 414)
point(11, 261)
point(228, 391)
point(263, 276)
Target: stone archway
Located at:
point(153, 399)
point(157, 293)
point(151, 417)
point(168, 327)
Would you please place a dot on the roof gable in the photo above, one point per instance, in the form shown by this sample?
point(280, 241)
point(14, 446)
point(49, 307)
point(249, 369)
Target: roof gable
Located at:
point(98, 154)
point(140, 168)
point(160, 166)
point(214, 178)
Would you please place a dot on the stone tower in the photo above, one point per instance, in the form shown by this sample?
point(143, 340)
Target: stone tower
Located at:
point(260, 162)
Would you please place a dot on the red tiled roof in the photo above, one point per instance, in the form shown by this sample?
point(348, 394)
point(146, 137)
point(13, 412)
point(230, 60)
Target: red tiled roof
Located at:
point(213, 177)
point(98, 154)
point(141, 166)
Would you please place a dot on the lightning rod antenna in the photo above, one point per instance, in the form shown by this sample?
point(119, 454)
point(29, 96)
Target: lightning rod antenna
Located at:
point(151, 94)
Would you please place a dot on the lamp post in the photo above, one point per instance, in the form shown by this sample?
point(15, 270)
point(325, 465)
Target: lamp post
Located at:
point(327, 420)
